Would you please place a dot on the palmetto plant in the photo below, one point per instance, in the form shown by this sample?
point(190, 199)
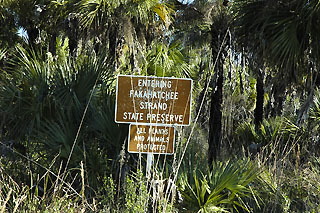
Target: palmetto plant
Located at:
point(284, 35)
point(166, 60)
point(98, 12)
point(24, 94)
point(315, 110)
point(219, 189)
point(43, 102)
point(123, 25)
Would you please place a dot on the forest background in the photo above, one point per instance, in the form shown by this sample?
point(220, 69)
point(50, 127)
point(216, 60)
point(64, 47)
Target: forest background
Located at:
point(253, 142)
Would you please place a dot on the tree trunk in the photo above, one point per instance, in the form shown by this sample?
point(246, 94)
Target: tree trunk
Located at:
point(278, 105)
point(202, 118)
point(241, 82)
point(258, 112)
point(218, 33)
point(53, 44)
point(33, 34)
point(72, 33)
point(113, 42)
point(215, 122)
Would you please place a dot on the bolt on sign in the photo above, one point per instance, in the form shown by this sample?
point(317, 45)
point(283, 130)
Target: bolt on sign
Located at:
point(153, 100)
point(151, 139)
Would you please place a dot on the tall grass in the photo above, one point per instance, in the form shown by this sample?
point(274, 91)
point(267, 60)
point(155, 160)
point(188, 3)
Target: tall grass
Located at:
point(287, 181)
point(35, 197)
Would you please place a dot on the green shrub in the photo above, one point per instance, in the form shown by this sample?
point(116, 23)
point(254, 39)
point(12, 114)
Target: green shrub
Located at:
point(220, 189)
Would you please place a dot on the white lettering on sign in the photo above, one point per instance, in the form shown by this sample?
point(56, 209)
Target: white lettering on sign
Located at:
point(151, 139)
point(150, 147)
point(150, 100)
point(158, 139)
point(150, 105)
point(164, 118)
point(154, 83)
point(132, 116)
point(153, 94)
point(158, 131)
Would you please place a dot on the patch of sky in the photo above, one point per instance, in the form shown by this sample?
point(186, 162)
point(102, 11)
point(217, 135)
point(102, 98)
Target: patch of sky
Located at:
point(23, 33)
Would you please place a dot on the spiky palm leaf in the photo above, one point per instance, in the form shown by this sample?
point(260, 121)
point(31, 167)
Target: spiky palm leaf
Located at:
point(74, 83)
point(315, 110)
point(45, 100)
point(221, 188)
point(25, 93)
point(59, 135)
point(99, 12)
point(2, 53)
point(4, 7)
point(126, 28)
point(166, 60)
point(102, 123)
point(279, 31)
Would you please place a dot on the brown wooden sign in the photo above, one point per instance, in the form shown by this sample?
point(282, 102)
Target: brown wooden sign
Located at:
point(153, 100)
point(151, 139)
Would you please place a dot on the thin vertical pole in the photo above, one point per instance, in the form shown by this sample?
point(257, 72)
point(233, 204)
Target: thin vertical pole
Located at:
point(149, 164)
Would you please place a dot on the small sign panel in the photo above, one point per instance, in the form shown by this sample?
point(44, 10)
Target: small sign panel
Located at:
point(153, 100)
point(151, 139)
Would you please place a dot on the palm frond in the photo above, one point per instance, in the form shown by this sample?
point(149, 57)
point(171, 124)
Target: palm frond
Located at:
point(315, 109)
point(2, 53)
point(94, 12)
point(101, 122)
point(221, 187)
point(59, 136)
point(25, 93)
point(166, 60)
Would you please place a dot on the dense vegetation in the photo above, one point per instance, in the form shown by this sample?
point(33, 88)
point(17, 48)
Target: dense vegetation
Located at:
point(253, 143)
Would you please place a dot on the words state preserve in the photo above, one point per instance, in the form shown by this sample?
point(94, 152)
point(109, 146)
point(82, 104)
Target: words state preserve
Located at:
point(145, 99)
point(153, 118)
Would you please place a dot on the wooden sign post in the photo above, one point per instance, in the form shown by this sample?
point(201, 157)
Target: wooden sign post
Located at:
point(152, 105)
point(151, 140)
